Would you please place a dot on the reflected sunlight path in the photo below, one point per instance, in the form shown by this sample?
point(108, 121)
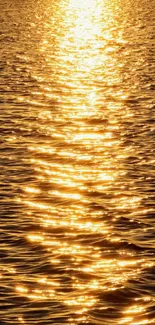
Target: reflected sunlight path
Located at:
point(79, 162)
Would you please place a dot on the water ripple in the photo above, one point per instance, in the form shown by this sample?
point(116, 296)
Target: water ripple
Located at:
point(77, 162)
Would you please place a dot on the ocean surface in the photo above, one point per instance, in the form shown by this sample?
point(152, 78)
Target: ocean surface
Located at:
point(77, 162)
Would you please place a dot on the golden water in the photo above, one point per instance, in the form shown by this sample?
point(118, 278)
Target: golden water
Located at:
point(77, 162)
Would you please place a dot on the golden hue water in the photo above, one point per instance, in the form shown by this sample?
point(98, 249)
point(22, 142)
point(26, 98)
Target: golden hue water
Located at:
point(77, 161)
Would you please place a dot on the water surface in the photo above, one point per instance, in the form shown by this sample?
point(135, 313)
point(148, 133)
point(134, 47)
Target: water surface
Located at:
point(77, 137)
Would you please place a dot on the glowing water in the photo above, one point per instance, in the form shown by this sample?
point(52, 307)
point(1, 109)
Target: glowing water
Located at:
point(77, 162)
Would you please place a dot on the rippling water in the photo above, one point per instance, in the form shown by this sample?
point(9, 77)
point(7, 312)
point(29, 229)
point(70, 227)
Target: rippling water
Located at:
point(77, 134)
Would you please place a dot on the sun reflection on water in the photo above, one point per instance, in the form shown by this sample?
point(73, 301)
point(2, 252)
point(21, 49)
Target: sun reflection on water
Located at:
point(80, 167)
